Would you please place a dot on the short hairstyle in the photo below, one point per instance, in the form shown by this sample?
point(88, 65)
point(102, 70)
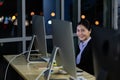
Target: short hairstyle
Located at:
point(85, 23)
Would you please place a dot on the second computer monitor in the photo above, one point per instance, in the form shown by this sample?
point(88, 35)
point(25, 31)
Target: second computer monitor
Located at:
point(63, 38)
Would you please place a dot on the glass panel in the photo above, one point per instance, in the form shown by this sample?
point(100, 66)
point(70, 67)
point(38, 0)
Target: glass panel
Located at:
point(8, 14)
point(93, 11)
point(33, 7)
point(49, 7)
point(68, 10)
point(10, 48)
point(119, 14)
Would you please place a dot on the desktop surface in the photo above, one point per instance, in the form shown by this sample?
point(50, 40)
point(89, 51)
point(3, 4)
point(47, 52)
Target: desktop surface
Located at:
point(29, 71)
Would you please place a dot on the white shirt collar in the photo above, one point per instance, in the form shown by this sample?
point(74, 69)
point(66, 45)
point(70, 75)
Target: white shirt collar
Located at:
point(86, 41)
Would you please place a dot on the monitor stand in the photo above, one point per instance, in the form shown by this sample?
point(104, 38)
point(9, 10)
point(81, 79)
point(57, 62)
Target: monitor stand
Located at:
point(47, 72)
point(37, 58)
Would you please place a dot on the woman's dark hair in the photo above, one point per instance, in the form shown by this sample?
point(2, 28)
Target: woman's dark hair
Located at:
point(85, 23)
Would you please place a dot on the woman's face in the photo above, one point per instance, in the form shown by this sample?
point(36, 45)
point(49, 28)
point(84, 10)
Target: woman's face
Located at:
point(82, 32)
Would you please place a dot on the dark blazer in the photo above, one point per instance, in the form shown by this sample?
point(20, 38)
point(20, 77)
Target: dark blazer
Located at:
point(86, 62)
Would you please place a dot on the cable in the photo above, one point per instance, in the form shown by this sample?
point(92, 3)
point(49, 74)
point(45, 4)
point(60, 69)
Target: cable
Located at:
point(11, 61)
point(37, 78)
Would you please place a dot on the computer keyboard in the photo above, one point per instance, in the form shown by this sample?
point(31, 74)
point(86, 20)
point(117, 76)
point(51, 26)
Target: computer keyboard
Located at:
point(81, 78)
point(78, 69)
point(78, 78)
point(36, 58)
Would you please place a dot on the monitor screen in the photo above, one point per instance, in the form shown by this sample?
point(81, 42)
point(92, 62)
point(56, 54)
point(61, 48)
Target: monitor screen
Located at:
point(106, 54)
point(63, 38)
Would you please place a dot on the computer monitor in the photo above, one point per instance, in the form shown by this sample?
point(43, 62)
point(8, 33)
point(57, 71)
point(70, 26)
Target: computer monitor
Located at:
point(63, 38)
point(39, 37)
point(106, 54)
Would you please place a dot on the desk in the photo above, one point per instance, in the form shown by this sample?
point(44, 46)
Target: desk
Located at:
point(31, 71)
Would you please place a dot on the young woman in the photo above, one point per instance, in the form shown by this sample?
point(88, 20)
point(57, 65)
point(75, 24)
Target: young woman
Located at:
point(84, 58)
